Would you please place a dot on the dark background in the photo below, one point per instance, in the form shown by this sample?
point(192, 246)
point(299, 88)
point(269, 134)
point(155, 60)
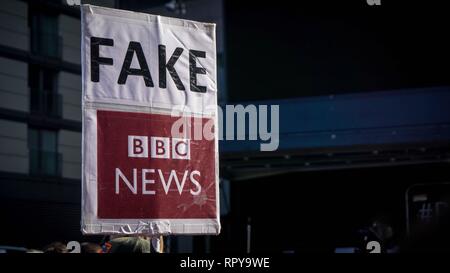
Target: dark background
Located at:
point(289, 49)
point(319, 211)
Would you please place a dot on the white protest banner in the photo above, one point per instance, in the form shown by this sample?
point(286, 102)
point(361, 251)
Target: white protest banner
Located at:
point(148, 169)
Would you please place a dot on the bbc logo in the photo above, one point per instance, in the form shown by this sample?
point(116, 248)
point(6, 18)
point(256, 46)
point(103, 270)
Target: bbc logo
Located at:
point(159, 147)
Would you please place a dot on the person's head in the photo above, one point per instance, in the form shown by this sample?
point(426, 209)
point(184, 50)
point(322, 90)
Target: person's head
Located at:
point(90, 248)
point(129, 245)
point(55, 247)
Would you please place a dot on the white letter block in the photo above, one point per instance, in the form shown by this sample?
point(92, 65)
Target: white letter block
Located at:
point(181, 148)
point(160, 147)
point(137, 146)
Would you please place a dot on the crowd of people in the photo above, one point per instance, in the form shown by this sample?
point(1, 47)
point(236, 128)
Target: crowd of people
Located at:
point(125, 244)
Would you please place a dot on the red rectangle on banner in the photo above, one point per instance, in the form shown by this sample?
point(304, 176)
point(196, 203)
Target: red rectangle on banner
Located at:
point(146, 173)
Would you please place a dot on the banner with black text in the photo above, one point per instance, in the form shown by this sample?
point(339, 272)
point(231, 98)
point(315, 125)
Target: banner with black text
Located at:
point(150, 132)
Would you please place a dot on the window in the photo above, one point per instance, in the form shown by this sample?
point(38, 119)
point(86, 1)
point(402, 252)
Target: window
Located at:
point(44, 98)
point(44, 158)
point(45, 39)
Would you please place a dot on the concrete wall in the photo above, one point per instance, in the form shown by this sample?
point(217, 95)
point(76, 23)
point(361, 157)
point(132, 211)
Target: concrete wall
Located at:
point(70, 147)
point(13, 85)
point(14, 27)
point(70, 31)
point(69, 86)
point(13, 147)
